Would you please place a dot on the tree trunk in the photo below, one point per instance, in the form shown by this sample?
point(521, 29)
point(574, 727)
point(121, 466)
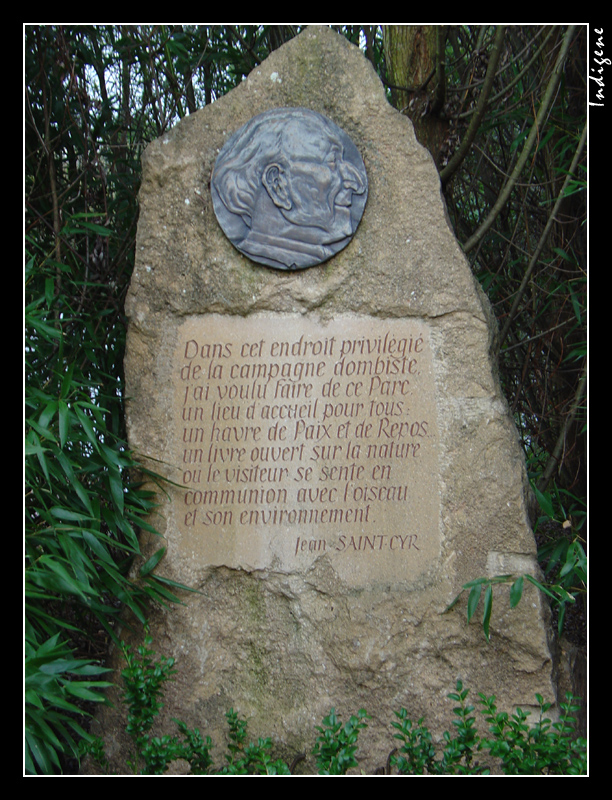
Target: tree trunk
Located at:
point(415, 72)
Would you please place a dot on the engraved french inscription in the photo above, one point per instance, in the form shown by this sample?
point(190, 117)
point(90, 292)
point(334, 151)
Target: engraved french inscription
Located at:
point(297, 439)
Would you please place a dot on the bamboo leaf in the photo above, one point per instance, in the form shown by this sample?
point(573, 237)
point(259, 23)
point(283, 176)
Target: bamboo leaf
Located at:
point(64, 422)
point(69, 515)
point(488, 606)
point(87, 690)
point(87, 426)
point(116, 489)
point(546, 502)
point(516, 592)
point(152, 562)
point(473, 599)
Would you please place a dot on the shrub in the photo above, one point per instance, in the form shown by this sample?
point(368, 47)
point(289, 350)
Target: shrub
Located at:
point(546, 748)
point(336, 743)
point(83, 512)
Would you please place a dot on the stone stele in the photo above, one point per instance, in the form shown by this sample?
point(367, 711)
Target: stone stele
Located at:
point(340, 454)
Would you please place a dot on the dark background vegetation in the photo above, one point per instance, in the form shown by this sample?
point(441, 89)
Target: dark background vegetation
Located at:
point(503, 111)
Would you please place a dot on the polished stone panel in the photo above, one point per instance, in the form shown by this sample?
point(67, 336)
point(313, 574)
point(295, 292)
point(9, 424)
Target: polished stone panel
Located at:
point(298, 441)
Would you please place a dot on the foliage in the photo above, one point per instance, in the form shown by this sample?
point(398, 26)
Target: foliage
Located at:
point(144, 679)
point(336, 743)
point(567, 561)
point(556, 592)
point(82, 513)
point(83, 506)
point(417, 755)
point(56, 684)
point(545, 748)
point(251, 758)
point(562, 555)
point(564, 564)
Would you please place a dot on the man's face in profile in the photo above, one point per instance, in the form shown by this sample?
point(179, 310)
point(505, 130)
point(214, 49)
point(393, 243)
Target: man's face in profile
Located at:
point(315, 188)
point(289, 188)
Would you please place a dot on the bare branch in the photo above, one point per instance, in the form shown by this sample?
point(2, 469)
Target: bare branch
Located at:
point(535, 131)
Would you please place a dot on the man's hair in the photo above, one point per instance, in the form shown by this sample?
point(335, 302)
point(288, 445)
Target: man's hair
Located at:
point(237, 176)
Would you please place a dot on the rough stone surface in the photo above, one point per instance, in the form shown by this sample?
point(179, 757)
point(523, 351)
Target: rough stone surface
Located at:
point(281, 641)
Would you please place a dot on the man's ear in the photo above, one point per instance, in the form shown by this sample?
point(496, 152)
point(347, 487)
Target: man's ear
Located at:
point(276, 185)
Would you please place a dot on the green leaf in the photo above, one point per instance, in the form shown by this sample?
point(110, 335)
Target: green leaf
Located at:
point(575, 304)
point(156, 591)
point(57, 578)
point(152, 562)
point(87, 690)
point(69, 515)
point(546, 503)
point(98, 547)
point(47, 415)
point(87, 426)
point(37, 756)
point(516, 592)
point(175, 584)
point(64, 422)
point(473, 599)
point(475, 582)
point(116, 488)
point(488, 605)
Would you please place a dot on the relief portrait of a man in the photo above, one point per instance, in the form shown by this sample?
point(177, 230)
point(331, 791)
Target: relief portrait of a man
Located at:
point(289, 188)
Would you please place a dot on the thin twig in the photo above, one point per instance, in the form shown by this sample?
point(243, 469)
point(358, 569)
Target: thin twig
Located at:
point(555, 456)
point(461, 152)
point(549, 95)
point(543, 238)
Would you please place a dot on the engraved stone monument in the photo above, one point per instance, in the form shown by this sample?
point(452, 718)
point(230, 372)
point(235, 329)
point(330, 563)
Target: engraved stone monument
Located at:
point(309, 364)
